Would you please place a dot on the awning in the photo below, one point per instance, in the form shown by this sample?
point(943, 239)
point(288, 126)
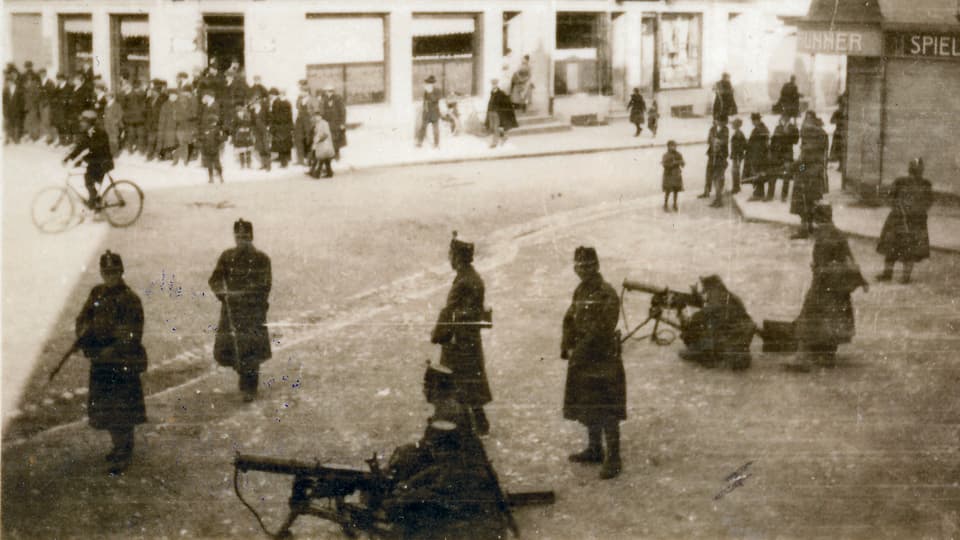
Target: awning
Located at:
point(440, 26)
point(78, 25)
point(134, 28)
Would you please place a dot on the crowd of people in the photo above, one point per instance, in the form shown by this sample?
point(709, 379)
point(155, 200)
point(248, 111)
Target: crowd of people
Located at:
point(179, 122)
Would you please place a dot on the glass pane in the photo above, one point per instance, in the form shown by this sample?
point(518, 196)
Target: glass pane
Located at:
point(458, 77)
point(365, 83)
point(680, 50)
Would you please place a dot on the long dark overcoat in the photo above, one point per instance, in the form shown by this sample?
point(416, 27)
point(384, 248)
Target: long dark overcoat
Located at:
point(281, 126)
point(808, 189)
point(458, 333)
point(827, 316)
point(242, 281)
point(596, 387)
point(904, 236)
point(335, 113)
point(167, 119)
point(110, 327)
point(637, 108)
point(755, 161)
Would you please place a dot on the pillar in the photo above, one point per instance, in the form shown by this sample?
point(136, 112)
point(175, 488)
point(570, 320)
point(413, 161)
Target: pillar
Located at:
point(491, 53)
point(102, 58)
point(399, 62)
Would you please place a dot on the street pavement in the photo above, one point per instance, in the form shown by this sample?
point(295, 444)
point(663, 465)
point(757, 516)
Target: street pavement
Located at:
point(866, 450)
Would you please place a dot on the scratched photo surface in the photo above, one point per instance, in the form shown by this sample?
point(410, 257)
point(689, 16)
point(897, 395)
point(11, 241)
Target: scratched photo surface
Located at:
point(291, 196)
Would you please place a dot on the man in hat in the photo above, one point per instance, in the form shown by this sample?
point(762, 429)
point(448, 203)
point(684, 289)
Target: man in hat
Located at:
point(306, 107)
point(234, 95)
point(724, 103)
point(186, 115)
point(458, 333)
point(721, 332)
point(335, 113)
point(756, 159)
point(501, 116)
point(718, 149)
point(109, 329)
point(281, 126)
point(133, 100)
point(153, 105)
point(596, 388)
point(93, 140)
point(242, 281)
point(31, 84)
point(738, 149)
point(14, 110)
point(904, 236)
point(430, 113)
point(784, 137)
point(808, 186)
point(257, 90)
point(211, 135)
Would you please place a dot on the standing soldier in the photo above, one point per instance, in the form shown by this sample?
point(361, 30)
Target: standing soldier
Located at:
point(904, 237)
point(718, 149)
point(596, 388)
point(335, 113)
point(808, 187)
point(303, 125)
point(757, 157)
point(109, 329)
point(458, 333)
point(242, 282)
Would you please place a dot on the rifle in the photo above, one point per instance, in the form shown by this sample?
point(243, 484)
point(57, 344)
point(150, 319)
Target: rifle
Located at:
point(73, 348)
point(663, 299)
point(313, 481)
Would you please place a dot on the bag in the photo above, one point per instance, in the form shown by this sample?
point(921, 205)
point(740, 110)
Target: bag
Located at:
point(778, 337)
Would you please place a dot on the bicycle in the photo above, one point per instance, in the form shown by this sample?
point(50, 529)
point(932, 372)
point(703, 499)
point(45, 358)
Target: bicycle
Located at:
point(55, 207)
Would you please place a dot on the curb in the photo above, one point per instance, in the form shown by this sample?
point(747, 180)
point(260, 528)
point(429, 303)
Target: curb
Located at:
point(861, 236)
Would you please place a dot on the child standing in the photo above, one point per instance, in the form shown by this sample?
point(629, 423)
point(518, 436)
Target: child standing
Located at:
point(243, 137)
point(652, 116)
point(672, 179)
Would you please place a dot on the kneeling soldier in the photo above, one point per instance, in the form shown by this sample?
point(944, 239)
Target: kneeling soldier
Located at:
point(596, 387)
point(242, 282)
point(109, 330)
point(721, 332)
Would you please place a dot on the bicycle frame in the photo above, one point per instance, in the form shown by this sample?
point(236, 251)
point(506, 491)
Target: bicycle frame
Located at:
point(101, 188)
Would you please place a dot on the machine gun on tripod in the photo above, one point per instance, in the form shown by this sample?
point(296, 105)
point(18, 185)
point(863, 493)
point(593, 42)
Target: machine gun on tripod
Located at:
point(663, 300)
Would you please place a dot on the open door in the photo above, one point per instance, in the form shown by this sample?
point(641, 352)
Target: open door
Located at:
point(224, 40)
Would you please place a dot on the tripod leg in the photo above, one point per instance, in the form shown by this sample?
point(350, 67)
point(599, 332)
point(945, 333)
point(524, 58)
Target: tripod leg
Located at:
point(284, 531)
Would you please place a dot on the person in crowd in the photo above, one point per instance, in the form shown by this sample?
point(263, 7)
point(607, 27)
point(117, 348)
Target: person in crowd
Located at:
point(724, 104)
point(653, 117)
point(808, 187)
point(109, 330)
point(281, 126)
point(322, 148)
point(904, 236)
point(595, 393)
point(756, 160)
point(93, 144)
point(59, 103)
point(637, 108)
point(521, 85)
point(789, 103)
point(134, 103)
point(31, 84)
point(672, 163)
point(211, 135)
point(242, 281)
point(738, 150)
point(243, 137)
point(839, 119)
point(258, 91)
point(48, 97)
point(100, 92)
point(826, 319)
point(718, 150)
point(260, 116)
point(335, 113)
point(113, 124)
point(784, 137)
point(186, 126)
point(501, 116)
point(234, 97)
point(13, 109)
point(430, 113)
point(182, 80)
point(171, 115)
point(153, 104)
point(306, 107)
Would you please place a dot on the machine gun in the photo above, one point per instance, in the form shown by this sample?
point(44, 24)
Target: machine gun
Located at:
point(322, 490)
point(663, 299)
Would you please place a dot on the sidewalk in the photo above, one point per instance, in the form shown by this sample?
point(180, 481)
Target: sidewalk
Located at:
point(851, 217)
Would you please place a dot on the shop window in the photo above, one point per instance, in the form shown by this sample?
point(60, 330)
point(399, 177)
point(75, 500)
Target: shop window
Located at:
point(76, 43)
point(348, 53)
point(358, 83)
point(130, 46)
point(680, 50)
point(445, 47)
point(582, 60)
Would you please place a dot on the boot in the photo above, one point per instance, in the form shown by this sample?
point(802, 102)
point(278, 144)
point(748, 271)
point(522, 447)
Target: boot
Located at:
point(611, 462)
point(480, 423)
point(593, 453)
point(907, 270)
point(887, 273)
point(122, 452)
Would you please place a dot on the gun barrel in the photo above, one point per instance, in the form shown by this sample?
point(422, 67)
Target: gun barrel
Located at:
point(632, 285)
point(531, 498)
point(246, 462)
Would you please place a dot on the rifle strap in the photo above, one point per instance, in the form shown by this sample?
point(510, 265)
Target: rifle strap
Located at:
point(236, 489)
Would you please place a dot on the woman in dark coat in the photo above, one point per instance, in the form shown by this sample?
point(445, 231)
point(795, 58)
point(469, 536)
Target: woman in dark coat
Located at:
point(109, 330)
point(827, 319)
point(904, 237)
point(637, 108)
point(672, 162)
point(596, 389)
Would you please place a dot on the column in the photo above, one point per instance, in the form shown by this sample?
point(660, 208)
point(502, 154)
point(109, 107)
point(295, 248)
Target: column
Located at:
point(491, 53)
point(400, 63)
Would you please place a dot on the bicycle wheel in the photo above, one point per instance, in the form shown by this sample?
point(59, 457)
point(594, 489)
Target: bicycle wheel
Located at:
point(52, 209)
point(122, 203)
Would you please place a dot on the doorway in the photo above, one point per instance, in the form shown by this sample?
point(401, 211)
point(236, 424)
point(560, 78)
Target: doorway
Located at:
point(225, 40)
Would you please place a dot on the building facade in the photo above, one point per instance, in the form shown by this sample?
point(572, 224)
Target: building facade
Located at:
point(903, 84)
point(585, 55)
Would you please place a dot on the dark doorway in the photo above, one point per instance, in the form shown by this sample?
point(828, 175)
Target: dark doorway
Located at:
point(225, 42)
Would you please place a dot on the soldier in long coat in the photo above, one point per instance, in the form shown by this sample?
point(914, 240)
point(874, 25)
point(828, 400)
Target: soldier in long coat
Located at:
point(827, 319)
point(242, 280)
point(904, 236)
point(596, 388)
point(756, 161)
point(808, 187)
point(109, 329)
point(721, 332)
point(335, 113)
point(281, 126)
point(458, 333)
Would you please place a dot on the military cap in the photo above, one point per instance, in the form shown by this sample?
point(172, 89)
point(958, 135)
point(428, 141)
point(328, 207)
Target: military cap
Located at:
point(111, 261)
point(585, 255)
point(822, 213)
point(671, 143)
point(916, 166)
point(710, 281)
point(242, 227)
point(88, 115)
point(430, 79)
point(460, 249)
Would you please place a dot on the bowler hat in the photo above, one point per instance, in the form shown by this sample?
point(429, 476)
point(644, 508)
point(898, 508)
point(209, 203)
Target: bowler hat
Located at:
point(585, 255)
point(755, 116)
point(430, 79)
point(242, 227)
point(460, 249)
point(110, 261)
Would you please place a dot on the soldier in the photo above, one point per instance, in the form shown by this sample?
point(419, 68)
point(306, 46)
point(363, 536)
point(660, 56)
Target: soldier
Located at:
point(211, 135)
point(826, 319)
point(109, 330)
point(757, 157)
point(904, 237)
point(94, 142)
point(721, 332)
point(596, 388)
point(335, 113)
point(808, 187)
point(458, 333)
point(718, 149)
point(242, 282)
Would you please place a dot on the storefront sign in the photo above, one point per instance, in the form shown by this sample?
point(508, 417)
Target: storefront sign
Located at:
point(941, 45)
point(854, 42)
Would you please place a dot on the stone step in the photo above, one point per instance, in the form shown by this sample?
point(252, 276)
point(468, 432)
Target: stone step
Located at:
point(547, 127)
point(534, 119)
point(618, 116)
